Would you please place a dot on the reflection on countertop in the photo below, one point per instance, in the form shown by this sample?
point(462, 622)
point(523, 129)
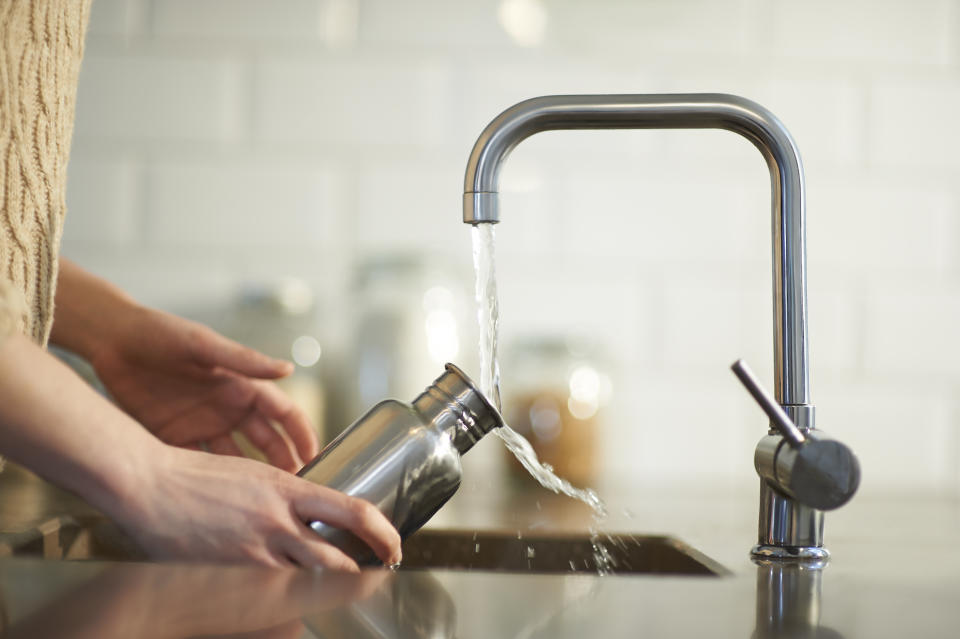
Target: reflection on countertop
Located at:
point(96, 599)
point(895, 572)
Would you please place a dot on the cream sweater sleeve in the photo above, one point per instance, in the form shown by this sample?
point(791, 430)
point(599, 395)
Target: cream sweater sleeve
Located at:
point(41, 45)
point(13, 309)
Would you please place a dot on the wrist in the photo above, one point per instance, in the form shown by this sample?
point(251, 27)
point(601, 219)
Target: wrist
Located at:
point(122, 489)
point(56, 425)
point(91, 314)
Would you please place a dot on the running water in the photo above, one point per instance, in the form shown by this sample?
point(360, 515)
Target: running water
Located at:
point(489, 317)
point(488, 311)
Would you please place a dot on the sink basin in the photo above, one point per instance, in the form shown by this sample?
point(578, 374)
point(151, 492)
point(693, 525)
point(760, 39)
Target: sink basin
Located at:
point(553, 553)
point(68, 538)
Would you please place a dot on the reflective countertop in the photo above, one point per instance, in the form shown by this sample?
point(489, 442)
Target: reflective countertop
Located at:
point(895, 572)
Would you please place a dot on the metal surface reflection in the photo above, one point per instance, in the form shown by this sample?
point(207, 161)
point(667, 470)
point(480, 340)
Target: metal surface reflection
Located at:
point(409, 605)
point(163, 600)
point(788, 601)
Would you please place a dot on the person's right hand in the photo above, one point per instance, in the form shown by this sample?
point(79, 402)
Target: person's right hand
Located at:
point(198, 506)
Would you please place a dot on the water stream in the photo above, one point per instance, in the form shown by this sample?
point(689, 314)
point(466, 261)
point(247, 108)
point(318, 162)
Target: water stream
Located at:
point(489, 317)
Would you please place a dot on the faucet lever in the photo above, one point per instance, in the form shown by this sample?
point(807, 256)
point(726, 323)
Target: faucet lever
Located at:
point(778, 417)
point(811, 468)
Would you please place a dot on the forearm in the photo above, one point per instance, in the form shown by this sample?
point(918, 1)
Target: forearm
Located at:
point(88, 310)
point(56, 425)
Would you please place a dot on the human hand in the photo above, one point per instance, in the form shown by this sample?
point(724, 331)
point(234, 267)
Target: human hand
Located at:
point(192, 387)
point(195, 506)
point(188, 385)
point(174, 502)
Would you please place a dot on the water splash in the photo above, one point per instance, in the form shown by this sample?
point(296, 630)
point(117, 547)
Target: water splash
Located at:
point(543, 473)
point(488, 316)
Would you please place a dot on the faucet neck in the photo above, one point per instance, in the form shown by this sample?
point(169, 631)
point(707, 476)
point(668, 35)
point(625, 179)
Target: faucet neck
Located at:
point(681, 111)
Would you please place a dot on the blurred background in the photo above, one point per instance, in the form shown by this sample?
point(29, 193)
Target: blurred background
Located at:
point(291, 171)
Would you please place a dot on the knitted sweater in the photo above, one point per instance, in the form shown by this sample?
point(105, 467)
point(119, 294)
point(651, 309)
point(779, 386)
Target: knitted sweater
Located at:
point(41, 44)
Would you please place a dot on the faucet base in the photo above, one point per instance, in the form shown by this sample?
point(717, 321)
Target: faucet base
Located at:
point(790, 553)
point(789, 530)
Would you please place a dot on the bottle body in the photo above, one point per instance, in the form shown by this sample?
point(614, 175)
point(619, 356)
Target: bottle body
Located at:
point(390, 458)
point(404, 458)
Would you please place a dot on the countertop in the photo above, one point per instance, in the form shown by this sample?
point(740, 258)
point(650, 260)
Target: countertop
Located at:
point(895, 572)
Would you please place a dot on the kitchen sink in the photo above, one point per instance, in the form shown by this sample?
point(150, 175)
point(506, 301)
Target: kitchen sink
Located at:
point(68, 537)
point(491, 551)
point(553, 553)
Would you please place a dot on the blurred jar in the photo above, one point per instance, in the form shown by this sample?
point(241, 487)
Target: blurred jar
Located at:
point(555, 390)
point(411, 317)
point(280, 320)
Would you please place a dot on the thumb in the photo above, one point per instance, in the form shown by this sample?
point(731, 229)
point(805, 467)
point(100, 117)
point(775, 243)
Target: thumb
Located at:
point(216, 351)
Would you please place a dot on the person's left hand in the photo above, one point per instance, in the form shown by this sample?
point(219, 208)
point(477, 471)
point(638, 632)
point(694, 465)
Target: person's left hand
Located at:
point(194, 388)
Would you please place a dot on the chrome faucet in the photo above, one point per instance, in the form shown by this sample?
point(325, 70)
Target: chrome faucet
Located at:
point(789, 527)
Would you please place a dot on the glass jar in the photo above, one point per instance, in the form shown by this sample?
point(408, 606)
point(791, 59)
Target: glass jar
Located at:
point(411, 316)
point(555, 389)
point(280, 319)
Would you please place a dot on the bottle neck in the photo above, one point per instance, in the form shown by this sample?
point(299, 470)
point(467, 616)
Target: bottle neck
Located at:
point(453, 404)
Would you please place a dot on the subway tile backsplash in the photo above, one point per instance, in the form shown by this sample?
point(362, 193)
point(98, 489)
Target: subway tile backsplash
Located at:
point(223, 142)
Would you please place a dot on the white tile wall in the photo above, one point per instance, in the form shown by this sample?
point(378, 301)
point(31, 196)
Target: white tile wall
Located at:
point(218, 143)
point(260, 206)
point(351, 101)
point(167, 96)
point(904, 139)
point(912, 331)
point(622, 27)
point(108, 188)
point(117, 18)
point(331, 21)
point(458, 24)
point(402, 205)
point(866, 31)
point(874, 227)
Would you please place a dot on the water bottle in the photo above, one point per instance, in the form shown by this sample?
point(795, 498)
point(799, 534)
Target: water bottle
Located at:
point(404, 458)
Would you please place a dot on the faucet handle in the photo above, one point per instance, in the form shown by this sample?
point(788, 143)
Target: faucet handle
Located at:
point(778, 417)
point(807, 466)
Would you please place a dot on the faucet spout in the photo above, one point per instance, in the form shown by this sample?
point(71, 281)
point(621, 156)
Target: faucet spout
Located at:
point(681, 111)
point(784, 523)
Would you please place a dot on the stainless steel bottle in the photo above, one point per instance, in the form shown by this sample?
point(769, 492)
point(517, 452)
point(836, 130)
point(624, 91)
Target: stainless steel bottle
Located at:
point(404, 458)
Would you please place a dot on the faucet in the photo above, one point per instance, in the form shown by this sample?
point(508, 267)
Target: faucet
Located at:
point(789, 601)
point(791, 524)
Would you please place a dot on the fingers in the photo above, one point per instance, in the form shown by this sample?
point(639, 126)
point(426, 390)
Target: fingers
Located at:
point(213, 350)
point(271, 442)
point(232, 402)
point(207, 419)
point(311, 550)
point(319, 503)
point(224, 445)
point(276, 405)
